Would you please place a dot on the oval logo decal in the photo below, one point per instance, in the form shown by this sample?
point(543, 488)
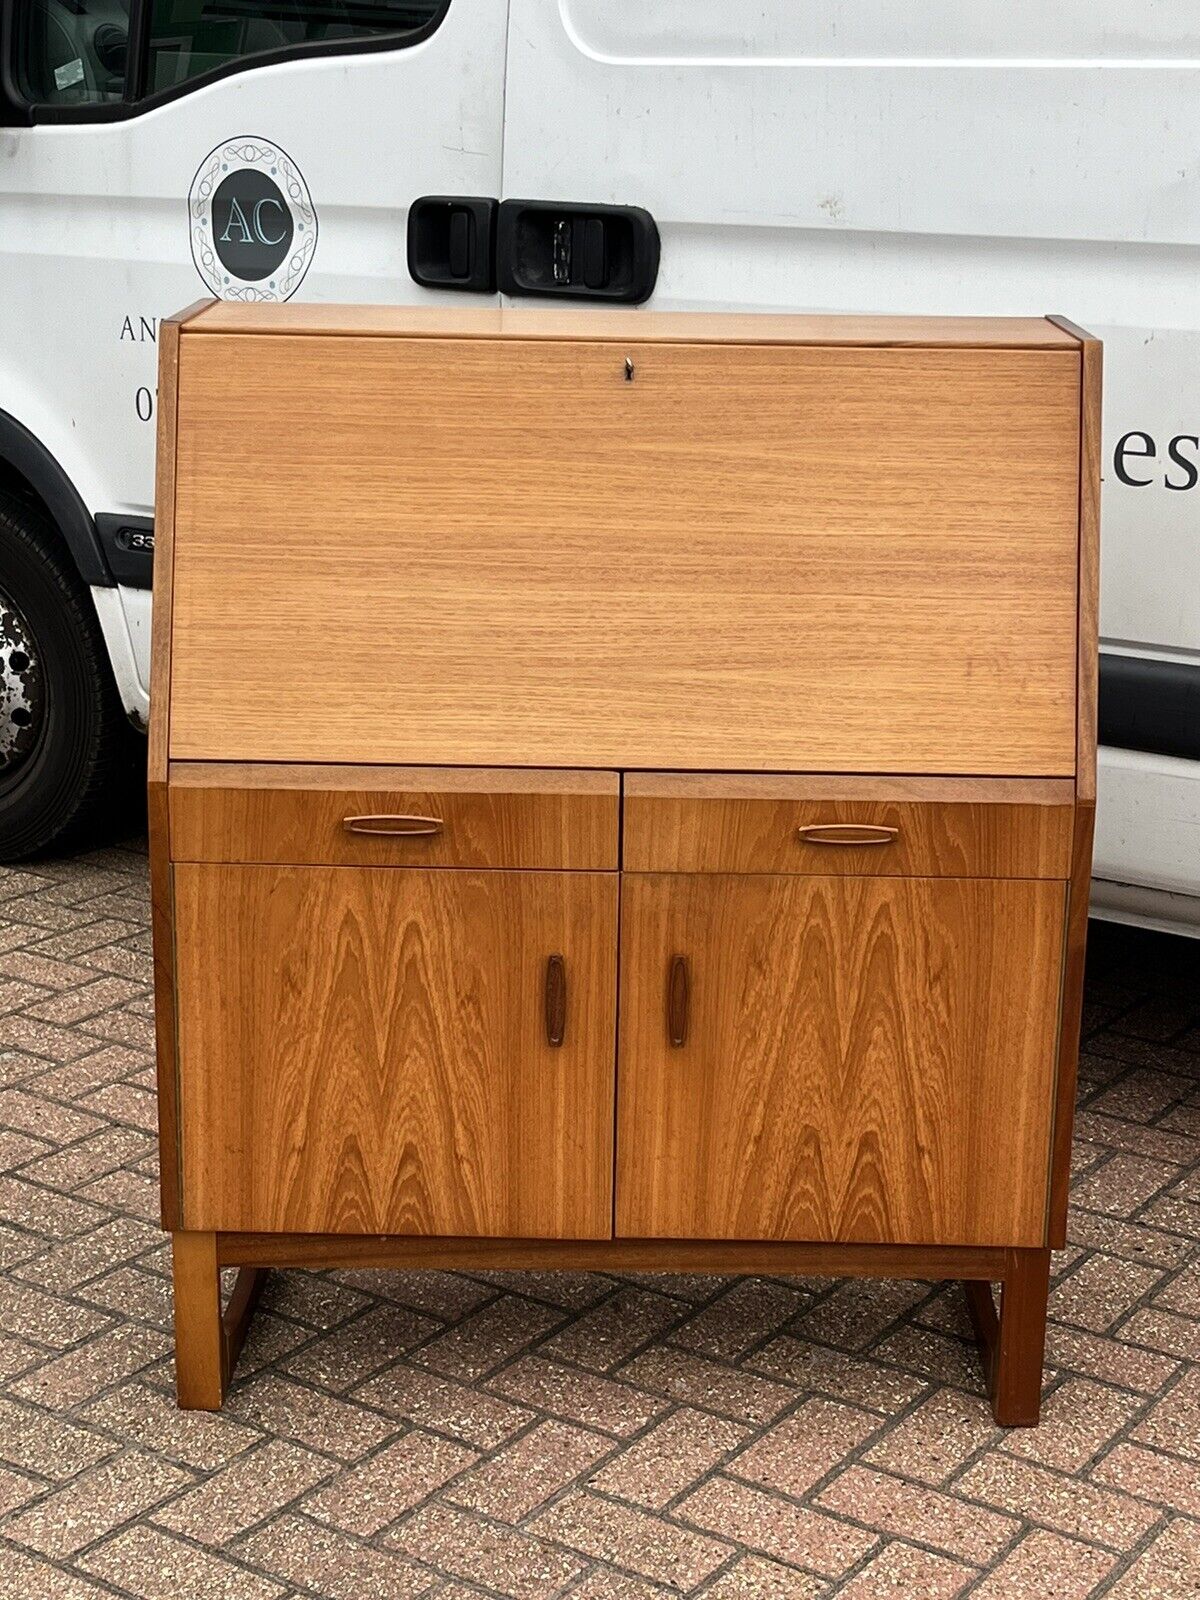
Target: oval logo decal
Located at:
point(253, 223)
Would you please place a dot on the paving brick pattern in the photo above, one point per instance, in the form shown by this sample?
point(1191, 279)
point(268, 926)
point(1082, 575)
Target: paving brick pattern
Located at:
point(535, 1435)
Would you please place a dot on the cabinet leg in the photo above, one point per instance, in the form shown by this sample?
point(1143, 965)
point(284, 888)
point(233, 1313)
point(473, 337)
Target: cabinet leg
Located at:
point(1014, 1342)
point(207, 1339)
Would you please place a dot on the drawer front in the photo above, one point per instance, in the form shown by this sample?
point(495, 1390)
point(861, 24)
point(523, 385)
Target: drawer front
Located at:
point(393, 816)
point(839, 827)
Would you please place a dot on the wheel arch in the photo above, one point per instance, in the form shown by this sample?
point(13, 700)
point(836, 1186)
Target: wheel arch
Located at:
point(28, 467)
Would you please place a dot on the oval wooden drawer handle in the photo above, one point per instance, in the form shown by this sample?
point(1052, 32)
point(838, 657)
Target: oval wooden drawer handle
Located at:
point(677, 1001)
point(391, 826)
point(846, 833)
point(556, 1001)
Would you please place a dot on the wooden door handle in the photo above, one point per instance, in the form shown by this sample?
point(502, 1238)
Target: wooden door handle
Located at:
point(677, 1001)
point(846, 833)
point(556, 1001)
point(397, 826)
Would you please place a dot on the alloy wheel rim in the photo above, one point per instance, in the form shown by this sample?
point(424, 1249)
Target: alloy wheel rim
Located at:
point(22, 689)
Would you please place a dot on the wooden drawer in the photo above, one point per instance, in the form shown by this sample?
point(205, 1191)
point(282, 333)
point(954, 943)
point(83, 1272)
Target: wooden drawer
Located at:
point(876, 827)
point(393, 816)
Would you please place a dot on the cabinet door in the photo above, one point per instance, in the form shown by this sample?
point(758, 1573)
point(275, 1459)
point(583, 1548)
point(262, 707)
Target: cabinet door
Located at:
point(862, 1060)
point(366, 1050)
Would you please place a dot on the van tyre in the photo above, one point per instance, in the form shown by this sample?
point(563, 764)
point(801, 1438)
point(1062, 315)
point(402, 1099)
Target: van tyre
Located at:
point(66, 751)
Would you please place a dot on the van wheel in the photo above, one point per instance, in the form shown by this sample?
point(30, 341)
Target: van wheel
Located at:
point(65, 746)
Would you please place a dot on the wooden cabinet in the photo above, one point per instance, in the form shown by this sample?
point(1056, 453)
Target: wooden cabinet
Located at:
point(642, 817)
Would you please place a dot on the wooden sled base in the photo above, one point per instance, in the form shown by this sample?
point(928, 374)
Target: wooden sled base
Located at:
point(208, 1339)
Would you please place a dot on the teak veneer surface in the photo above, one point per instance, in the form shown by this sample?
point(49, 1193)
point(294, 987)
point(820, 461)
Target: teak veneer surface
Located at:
point(501, 552)
point(386, 1069)
point(754, 826)
point(688, 327)
point(866, 1060)
point(166, 1066)
point(642, 591)
point(770, 1257)
point(514, 818)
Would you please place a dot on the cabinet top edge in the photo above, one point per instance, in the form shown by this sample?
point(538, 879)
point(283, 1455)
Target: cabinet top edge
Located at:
point(687, 327)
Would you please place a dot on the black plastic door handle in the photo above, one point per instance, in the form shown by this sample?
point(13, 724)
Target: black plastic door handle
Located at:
point(452, 242)
point(557, 249)
point(568, 250)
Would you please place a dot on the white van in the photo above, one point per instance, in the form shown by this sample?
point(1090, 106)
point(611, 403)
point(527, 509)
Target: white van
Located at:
point(844, 156)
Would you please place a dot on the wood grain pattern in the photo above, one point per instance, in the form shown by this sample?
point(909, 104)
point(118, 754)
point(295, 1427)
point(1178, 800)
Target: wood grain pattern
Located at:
point(861, 546)
point(868, 1060)
point(1013, 1340)
point(824, 558)
point(528, 819)
point(1073, 963)
point(842, 786)
point(164, 536)
point(616, 1255)
point(730, 831)
point(208, 1339)
point(1089, 569)
point(387, 1070)
point(1090, 474)
point(592, 324)
point(1091, 397)
point(1017, 1379)
point(156, 766)
point(199, 1353)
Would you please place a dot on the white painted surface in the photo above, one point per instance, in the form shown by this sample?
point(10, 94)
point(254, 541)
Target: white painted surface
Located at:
point(119, 610)
point(1148, 821)
point(939, 30)
point(1146, 908)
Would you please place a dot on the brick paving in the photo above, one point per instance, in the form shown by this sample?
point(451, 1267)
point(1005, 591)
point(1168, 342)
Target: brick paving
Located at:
point(606, 1438)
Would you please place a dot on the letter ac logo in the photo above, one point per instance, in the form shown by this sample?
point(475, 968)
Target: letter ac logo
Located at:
point(239, 231)
point(253, 224)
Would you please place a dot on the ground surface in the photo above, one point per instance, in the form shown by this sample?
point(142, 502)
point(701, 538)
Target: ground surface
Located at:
point(604, 1438)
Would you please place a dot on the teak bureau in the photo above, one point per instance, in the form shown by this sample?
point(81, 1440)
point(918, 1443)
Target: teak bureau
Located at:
point(621, 794)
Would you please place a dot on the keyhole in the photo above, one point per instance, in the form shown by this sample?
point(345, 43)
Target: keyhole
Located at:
point(628, 369)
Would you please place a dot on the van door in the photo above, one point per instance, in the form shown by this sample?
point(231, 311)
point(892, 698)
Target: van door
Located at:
point(941, 158)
